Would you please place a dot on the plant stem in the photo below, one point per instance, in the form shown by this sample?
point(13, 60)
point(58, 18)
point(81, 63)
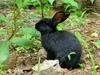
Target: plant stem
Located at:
point(14, 28)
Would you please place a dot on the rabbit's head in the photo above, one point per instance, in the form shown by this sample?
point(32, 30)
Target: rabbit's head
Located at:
point(46, 25)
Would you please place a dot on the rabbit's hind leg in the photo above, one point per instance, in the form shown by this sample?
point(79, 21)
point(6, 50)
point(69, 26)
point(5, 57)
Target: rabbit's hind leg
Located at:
point(74, 61)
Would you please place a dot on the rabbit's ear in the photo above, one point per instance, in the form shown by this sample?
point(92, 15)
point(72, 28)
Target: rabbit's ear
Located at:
point(60, 17)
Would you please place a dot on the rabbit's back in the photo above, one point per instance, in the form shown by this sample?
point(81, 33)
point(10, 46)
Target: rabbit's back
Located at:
point(61, 41)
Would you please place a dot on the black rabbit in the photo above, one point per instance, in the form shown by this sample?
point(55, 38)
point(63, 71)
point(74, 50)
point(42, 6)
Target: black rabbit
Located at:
point(59, 44)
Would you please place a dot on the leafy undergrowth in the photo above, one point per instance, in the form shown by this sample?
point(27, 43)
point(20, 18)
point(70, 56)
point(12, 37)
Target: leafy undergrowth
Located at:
point(22, 63)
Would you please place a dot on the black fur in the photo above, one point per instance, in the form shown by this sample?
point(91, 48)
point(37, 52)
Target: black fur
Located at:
point(59, 44)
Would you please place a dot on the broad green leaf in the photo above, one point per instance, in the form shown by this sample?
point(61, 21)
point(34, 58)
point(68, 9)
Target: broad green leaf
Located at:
point(26, 30)
point(31, 31)
point(72, 3)
point(19, 3)
point(35, 33)
point(4, 51)
point(2, 31)
point(51, 1)
point(97, 43)
point(60, 27)
point(33, 0)
point(27, 36)
point(22, 42)
point(4, 19)
point(26, 2)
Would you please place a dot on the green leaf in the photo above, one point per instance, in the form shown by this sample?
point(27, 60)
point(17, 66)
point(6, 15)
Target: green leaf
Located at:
point(51, 1)
point(72, 3)
point(26, 2)
point(26, 30)
point(30, 31)
point(2, 31)
point(60, 27)
point(20, 49)
point(35, 33)
point(72, 53)
point(92, 1)
point(4, 51)
point(33, 0)
point(19, 3)
point(4, 19)
point(78, 34)
point(22, 42)
point(83, 65)
point(80, 38)
point(97, 43)
point(27, 36)
point(69, 55)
